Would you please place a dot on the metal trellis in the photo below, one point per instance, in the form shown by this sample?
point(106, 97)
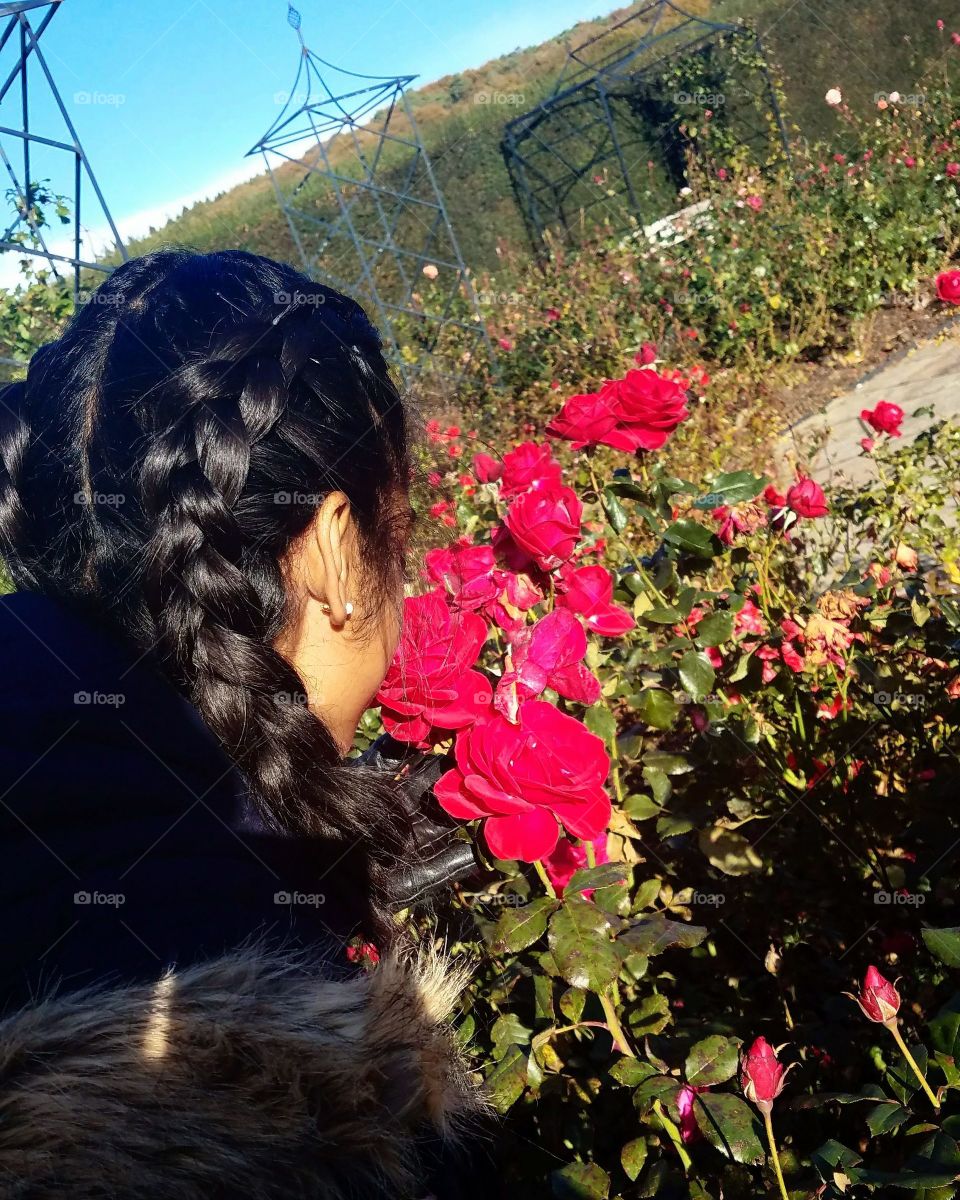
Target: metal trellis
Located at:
point(34, 164)
point(364, 209)
point(611, 141)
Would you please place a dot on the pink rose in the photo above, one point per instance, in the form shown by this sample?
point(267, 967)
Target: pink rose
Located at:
point(647, 355)
point(430, 684)
point(885, 418)
point(806, 498)
point(546, 524)
point(588, 591)
point(523, 779)
point(953, 169)
point(948, 287)
point(584, 420)
point(547, 654)
point(528, 467)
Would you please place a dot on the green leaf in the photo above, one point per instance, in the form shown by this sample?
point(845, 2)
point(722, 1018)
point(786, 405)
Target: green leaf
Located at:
point(662, 614)
point(518, 928)
point(660, 785)
point(616, 513)
point(579, 938)
point(715, 629)
point(944, 944)
point(506, 1082)
point(696, 674)
point(656, 707)
point(670, 764)
point(631, 1072)
point(733, 487)
point(885, 1118)
point(900, 1077)
point(729, 1124)
point(712, 1061)
point(650, 1017)
point(571, 1004)
point(692, 537)
point(580, 1181)
point(632, 1157)
point(647, 894)
point(506, 1031)
point(945, 1028)
point(601, 721)
point(604, 875)
point(656, 933)
point(639, 807)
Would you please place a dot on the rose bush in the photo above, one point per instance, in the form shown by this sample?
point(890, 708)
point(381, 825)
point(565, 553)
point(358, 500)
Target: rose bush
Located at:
point(712, 764)
point(705, 735)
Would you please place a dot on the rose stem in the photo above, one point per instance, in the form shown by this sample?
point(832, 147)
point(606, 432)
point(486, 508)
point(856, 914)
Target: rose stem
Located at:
point(913, 1064)
point(613, 1024)
point(673, 1133)
point(545, 879)
point(591, 852)
point(772, 1141)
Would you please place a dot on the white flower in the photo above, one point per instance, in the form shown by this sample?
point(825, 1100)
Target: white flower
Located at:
point(431, 271)
point(834, 97)
point(894, 97)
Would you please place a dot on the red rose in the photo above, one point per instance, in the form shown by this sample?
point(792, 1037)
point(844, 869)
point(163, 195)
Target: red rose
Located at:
point(486, 469)
point(588, 591)
point(524, 778)
point(885, 418)
point(806, 498)
point(948, 287)
point(647, 406)
point(547, 654)
point(879, 999)
point(646, 355)
point(430, 684)
point(466, 571)
point(567, 858)
point(584, 420)
point(546, 524)
point(761, 1076)
point(528, 467)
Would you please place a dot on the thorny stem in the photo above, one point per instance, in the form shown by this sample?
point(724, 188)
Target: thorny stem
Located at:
point(772, 1142)
point(898, 1038)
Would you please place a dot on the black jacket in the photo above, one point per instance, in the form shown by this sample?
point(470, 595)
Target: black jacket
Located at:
point(127, 839)
point(180, 1018)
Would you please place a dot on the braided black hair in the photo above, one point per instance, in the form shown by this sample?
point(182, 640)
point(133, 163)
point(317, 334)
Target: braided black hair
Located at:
point(162, 457)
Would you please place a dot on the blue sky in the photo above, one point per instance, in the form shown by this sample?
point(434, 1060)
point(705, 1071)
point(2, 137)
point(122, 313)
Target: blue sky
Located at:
point(167, 97)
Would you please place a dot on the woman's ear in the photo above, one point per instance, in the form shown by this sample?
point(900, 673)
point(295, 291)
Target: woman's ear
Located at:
point(327, 557)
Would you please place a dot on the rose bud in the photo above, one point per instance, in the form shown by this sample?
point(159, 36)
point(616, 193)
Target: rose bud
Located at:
point(879, 999)
point(761, 1076)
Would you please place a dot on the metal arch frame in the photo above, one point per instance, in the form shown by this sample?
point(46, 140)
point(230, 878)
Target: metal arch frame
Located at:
point(18, 22)
point(594, 75)
point(328, 113)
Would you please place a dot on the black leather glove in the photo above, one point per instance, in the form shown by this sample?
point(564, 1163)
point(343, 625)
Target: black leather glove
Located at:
point(440, 853)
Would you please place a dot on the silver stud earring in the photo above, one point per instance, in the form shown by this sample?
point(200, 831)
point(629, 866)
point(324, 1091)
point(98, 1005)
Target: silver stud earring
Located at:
point(348, 608)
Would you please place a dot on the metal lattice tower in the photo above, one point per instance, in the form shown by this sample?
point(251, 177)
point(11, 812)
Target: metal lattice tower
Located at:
point(364, 209)
point(610, 142)
point(37, 158)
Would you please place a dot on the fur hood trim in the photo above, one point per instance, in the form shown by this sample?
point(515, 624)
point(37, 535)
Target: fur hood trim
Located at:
point(244, 1076)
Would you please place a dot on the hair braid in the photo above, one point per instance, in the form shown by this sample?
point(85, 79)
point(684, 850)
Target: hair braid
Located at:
point(192, 394)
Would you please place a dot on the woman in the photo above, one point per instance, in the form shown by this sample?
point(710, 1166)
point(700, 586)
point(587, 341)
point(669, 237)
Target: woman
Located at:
point(203, 508)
